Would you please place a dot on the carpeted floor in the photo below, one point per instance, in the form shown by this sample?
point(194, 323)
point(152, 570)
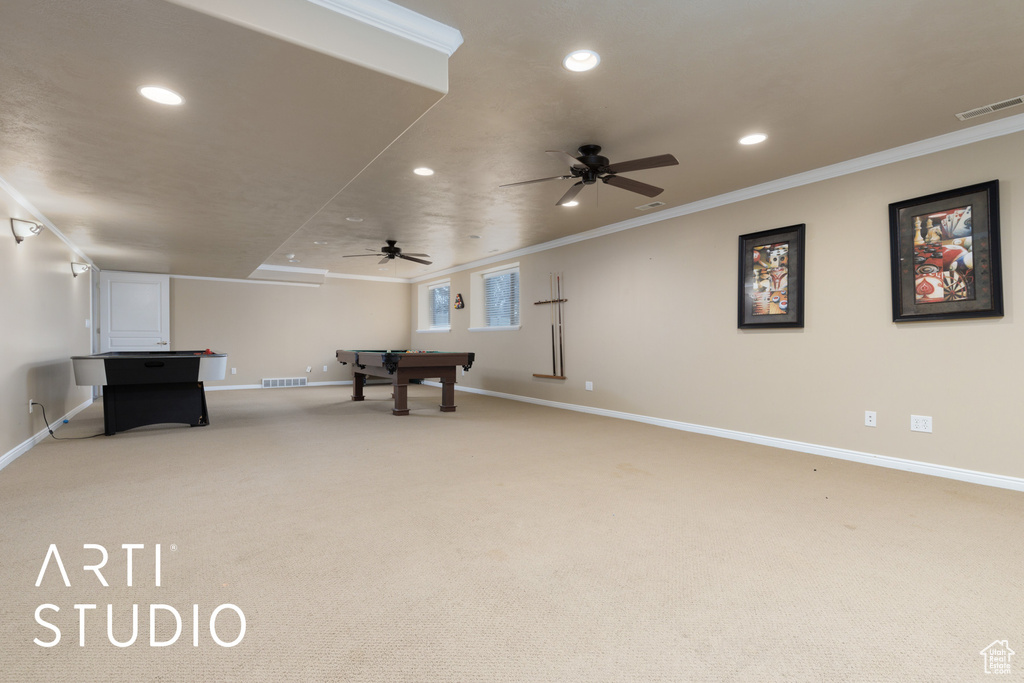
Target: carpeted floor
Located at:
point(503, 542)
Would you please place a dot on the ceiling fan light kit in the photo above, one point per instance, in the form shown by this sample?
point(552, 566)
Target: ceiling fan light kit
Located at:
point(590, 166)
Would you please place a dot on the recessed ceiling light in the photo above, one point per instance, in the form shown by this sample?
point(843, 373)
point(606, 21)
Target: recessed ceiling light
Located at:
point(294, 260)
point(423, 170)
point(753, 139)
point(581, 60)
point(320, 243)
point(161, 95)
point(354, 219)
point(572, 203)
point(474, 237)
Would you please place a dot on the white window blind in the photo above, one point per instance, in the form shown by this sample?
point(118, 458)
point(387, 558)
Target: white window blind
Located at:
point(501, 294)
point(439, 299)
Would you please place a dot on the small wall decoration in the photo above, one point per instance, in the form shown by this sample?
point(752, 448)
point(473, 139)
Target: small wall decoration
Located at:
point(945, 255)
point(771, 288)
point(458, 301)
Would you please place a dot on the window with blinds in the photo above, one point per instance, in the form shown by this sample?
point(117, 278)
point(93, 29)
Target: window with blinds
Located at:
point(501, 298)
point(439, 300)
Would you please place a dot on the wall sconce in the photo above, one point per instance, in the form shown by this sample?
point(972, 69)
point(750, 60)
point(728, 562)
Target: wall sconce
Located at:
point(79, 268)
point(23, 229)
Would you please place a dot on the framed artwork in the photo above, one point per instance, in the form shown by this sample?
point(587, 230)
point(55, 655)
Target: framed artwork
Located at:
point(945, 255)
point(771, 288)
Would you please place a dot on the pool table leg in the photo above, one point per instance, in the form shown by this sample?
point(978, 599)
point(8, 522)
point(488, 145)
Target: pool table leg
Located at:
point(358, 380)
point(401, 394)
point(447, 396)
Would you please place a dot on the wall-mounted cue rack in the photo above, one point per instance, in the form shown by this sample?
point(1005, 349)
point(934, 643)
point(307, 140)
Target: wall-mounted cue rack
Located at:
point(557, 344)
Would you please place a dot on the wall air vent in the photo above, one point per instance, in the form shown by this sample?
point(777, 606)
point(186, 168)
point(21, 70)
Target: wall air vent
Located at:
point(652, 205)
point(283, 382)
point(991, 108)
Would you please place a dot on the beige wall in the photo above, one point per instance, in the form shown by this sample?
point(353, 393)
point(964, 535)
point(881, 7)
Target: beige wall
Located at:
point(274, 330)
point(651, 321)
point(43, 312)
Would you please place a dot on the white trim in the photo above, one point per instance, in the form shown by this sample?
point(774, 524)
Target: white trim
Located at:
point(985, 131)
point(246, 282)
point(238, 387)
point(972, 476)
point(399, 21)
point(495, 328)
point(22, 448)
point(434, 329)
point(374, 278)
point(293, 269)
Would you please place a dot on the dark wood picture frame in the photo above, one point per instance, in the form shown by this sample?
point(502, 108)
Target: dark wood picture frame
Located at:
point(771, 272)
point(945, 255)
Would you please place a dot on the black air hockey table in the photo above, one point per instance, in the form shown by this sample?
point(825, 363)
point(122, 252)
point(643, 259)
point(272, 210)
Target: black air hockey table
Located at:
point(151, 387)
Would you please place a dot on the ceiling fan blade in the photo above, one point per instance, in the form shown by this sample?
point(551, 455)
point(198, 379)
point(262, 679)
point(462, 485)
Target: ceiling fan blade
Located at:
point(633, 185)
point(568, 196)
point(641, 164)
point(354, 255)
point(384, 260)
point(538, 180)
point(409, 253)
point(567, 158)
point(417, 260)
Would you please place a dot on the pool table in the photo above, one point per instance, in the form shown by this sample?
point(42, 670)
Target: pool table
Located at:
point(402, 366)
point(151, 387)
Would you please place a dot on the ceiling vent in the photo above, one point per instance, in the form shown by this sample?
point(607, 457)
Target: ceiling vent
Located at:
point(652, 205)
point(991, 108)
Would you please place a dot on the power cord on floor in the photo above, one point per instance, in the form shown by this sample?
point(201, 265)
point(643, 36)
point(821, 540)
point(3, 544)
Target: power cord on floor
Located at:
point(62, 438)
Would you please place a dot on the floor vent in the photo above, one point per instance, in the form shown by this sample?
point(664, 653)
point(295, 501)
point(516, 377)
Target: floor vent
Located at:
point(991, 108)
point(284, 382)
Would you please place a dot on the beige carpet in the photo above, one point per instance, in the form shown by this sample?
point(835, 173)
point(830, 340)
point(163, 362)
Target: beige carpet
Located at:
point(504, 542)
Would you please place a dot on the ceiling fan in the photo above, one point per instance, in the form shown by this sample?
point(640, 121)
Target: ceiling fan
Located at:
point(390, 252)
point(590, 166)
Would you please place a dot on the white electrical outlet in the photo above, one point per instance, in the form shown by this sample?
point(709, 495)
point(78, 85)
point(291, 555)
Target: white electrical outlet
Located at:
point(309, 368)
point(920, 423)
point(30, 406)
point(589, 386)
point(870, 419)
point(325, 368)
point(234, 371)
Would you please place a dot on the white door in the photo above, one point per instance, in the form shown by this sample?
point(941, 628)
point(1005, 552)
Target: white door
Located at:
point(134, 312)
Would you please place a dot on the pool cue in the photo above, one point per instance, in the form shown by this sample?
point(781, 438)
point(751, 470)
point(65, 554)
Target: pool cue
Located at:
point(561, 350)
point(551, 287)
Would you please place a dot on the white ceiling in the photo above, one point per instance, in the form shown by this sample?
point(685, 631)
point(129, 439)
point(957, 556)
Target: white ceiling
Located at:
point(278, 144)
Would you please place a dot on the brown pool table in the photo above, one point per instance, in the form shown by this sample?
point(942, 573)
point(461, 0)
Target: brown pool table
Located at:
point(402, 366)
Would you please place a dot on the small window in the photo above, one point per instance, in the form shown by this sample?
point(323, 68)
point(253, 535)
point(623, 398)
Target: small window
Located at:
point(439, 301)
point(501, 298)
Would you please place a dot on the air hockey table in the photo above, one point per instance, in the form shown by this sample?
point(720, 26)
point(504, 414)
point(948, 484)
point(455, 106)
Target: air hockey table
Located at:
point(151, 387)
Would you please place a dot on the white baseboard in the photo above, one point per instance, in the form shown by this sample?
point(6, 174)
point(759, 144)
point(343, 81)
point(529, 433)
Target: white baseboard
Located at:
point(22, 448)
point(984, 478)
point(236, 387)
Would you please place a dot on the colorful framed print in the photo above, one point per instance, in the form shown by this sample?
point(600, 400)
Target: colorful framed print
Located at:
point(771, 288)
point(945, 255)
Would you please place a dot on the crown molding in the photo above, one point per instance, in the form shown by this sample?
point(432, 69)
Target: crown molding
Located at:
point(387, 16)
point(39, 217)
point(940, 143)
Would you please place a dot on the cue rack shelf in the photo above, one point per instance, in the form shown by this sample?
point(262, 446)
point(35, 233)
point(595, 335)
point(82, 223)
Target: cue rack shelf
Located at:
point(557, 346)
